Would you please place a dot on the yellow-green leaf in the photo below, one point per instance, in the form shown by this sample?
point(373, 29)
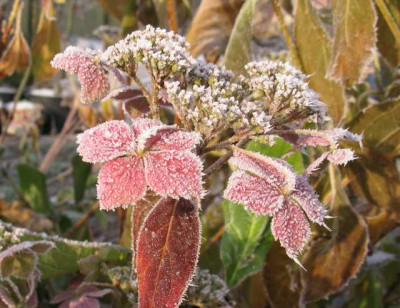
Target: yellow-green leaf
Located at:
point(354, 40)
point(314, 48)
point(46, 45)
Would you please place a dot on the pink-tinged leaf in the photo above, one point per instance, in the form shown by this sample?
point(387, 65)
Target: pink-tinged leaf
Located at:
point(105, 142)
point(121, 182)
point(174, 173)
point(276, 171)
point(306, 197)
point(82, 302)
point(341, 156)
point(125, 93)
point(62, 297)
point(94, 81)
point(140, 125)
point(168, 249)
point(256, 194)
point(291, 228)
point(136, 107)
point(310, 137)
point(315, 165)
point(168, 138)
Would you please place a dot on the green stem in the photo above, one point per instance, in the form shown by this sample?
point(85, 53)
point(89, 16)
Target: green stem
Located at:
point(286, 34)
point(387, 15)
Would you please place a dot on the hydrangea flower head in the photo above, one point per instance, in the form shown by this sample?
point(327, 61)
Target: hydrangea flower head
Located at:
point(269, 186)
point(82, 62)
point(146, 154)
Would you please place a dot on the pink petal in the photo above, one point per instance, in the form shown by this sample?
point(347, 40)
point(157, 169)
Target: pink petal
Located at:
point(306, 197)
point(82, 302)
point(341, 156)
point(105, 141)
point(256, 194)
point(174, 173)
point(94, 81)
point(290, 227)
point(168, 138)
point(121, 182)
point(276, 171)
point(142, 124)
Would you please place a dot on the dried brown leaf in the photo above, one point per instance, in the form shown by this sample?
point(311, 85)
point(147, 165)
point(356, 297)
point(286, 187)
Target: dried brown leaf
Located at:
point(354, 40)
point(211, 27)
point(315, 50)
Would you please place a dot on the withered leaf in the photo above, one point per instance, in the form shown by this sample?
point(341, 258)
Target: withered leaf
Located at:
point(17, 55)
point(314, 48)
point(380, 125)
point(354, 40)
point(46, 44)
point(282, 278)
point(167, 252)
point(380, 222)
point(387, 45)
point(336, 257)
point(114, 7)
point(211, 27)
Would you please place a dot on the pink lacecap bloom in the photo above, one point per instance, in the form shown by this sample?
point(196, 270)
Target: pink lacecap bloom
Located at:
point(269, 186)
point(82, 62)
point(146, 154)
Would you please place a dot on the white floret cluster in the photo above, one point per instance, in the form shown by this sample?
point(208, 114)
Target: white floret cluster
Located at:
point(162, 52)
point(284, 90)
point(214, 101)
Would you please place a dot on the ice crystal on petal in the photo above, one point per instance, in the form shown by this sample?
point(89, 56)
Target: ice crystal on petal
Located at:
point(341, 156)
point(121, 182)
point(314, 166)
point(174, 173)
point(140, 125)
point(276, 171)
point(256, 194)
point(305, 196)
point(169, 138)
point(105, 141)
point(291, 228)
point(91, 75)
point(331, 137)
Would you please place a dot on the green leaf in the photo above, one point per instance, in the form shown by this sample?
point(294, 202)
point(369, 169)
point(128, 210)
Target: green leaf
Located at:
point(354, 40)
point(380, 125)
point(369, 291)
point(33, 187)
point(314, 48)
point(239, 52)
point(244, 243)
point(65, 256)
point(80, 172)
point(279, 149)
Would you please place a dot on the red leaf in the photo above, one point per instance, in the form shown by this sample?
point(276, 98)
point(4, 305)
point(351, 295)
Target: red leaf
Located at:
point(168, 249)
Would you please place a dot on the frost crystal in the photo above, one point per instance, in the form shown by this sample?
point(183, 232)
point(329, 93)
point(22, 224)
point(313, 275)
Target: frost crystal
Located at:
point(149, 153)
point(85, 64)
point(270, 187)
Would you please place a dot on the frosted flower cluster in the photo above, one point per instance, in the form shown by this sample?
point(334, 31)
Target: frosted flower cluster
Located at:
point(148, 154)
point(162, 52)
point(86, 64)
point(268, 186)
point(284, 91)
point(214, 101)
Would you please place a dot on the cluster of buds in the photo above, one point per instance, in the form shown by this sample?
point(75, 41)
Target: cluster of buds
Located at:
point(217, 110)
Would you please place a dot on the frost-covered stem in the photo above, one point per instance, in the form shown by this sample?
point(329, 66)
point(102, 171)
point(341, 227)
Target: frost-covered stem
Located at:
point(141, 87)
point(394, 27)
point(286, 34)
point(228, 142)
point(291, 151)
point(154, 107)
point(15, 289)
point(222, 160)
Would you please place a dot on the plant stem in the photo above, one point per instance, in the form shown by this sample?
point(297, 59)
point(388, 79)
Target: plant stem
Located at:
point(172, 18)
point(222, 160)
point(387, 15)
point(17, 97)
point(142, 88)
point(82, 220)
point(154, 108)
point(286, 34)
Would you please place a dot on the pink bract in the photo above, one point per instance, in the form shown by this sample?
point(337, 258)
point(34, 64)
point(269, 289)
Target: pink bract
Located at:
point(148, 154)
point(79, 61)
point(270, 187)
